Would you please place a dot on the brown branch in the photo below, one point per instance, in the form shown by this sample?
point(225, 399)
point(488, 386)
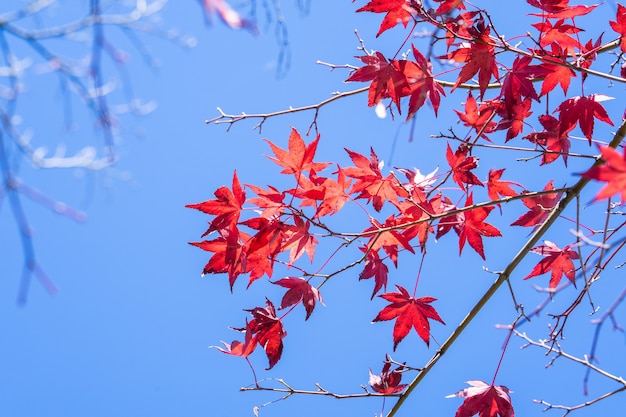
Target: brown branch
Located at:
point(289, 391)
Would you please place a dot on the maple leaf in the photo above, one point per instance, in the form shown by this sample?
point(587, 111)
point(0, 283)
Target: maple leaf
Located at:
point(612, 171)
point(299, 158)
point(480, 118)
point(298, 240)
point(619, 26)
point(485, 400)
point(513, 115)
point(229, 255)
point(470, 226)
point(270, 234)
point(582, 110)
point(226, 207)
point(557, 261)
point(386, 80)
point(388, 382)
point(421, 83)
point(388, 240)
point(497, 188)
point(271, 201)
point(558, 33)
point(549, 6)
point(540, 207)
point(374, 267)
point(268, 331)
point(447, 6)
point(408, 312)
point(458, 26)
point(398, 11)
point(370, 183)
point(553, 142)
point(519, 80)
point(299, 290)
point(237, 348)
point(461, 165)
point(479, 57)
point(556, 69)
point(332, 194)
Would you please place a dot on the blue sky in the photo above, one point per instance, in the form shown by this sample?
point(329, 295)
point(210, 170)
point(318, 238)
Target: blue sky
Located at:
point(129, 330)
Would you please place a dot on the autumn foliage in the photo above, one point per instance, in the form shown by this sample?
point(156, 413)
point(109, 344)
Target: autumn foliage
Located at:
point(529, 93)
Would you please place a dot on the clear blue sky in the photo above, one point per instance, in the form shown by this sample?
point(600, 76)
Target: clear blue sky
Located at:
point(129, 330)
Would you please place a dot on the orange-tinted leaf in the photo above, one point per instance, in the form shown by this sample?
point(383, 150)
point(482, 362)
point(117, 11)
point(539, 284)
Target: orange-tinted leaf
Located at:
point(612, 171)
point(388, 240)
point(238, 348)
point(497, 188)
point(299, 157)
point(480, 118)
point(409, 313)
point(448, 6)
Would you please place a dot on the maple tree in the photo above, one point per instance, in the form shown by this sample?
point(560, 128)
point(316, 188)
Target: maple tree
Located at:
point(512, 100)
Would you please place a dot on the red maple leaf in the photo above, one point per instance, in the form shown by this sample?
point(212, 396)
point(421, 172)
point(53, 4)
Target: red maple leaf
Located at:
point(299, 158)
point(271, 201)
point(226, 207)
point(612, 171)
point(388, 382)
point(479, 58)
point(556, 69)
point(549, 6)
point(519, 80)
point(558, 33)
point(478, 117)
point(374, 267)
point(398, 11)
point(458, 26)
point(238, 348)
point(619, 26)
point(497, 188)
point(421, 83)
point(557, 260)
point(512, 115)
point(551, 140)
point(461, 165)
point(485, 400)
point(408, 312)
point(388, 240)
point(582, 110)
point(327, 194)
point(540, 207)
point(268, 331)
point(298, 240)
point(299, 290)
point(386, 80)
point(447, 6)
point(370, 183)
point(470, 226)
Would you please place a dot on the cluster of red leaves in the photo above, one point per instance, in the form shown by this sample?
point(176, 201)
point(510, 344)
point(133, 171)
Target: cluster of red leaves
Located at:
point(283, 221)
